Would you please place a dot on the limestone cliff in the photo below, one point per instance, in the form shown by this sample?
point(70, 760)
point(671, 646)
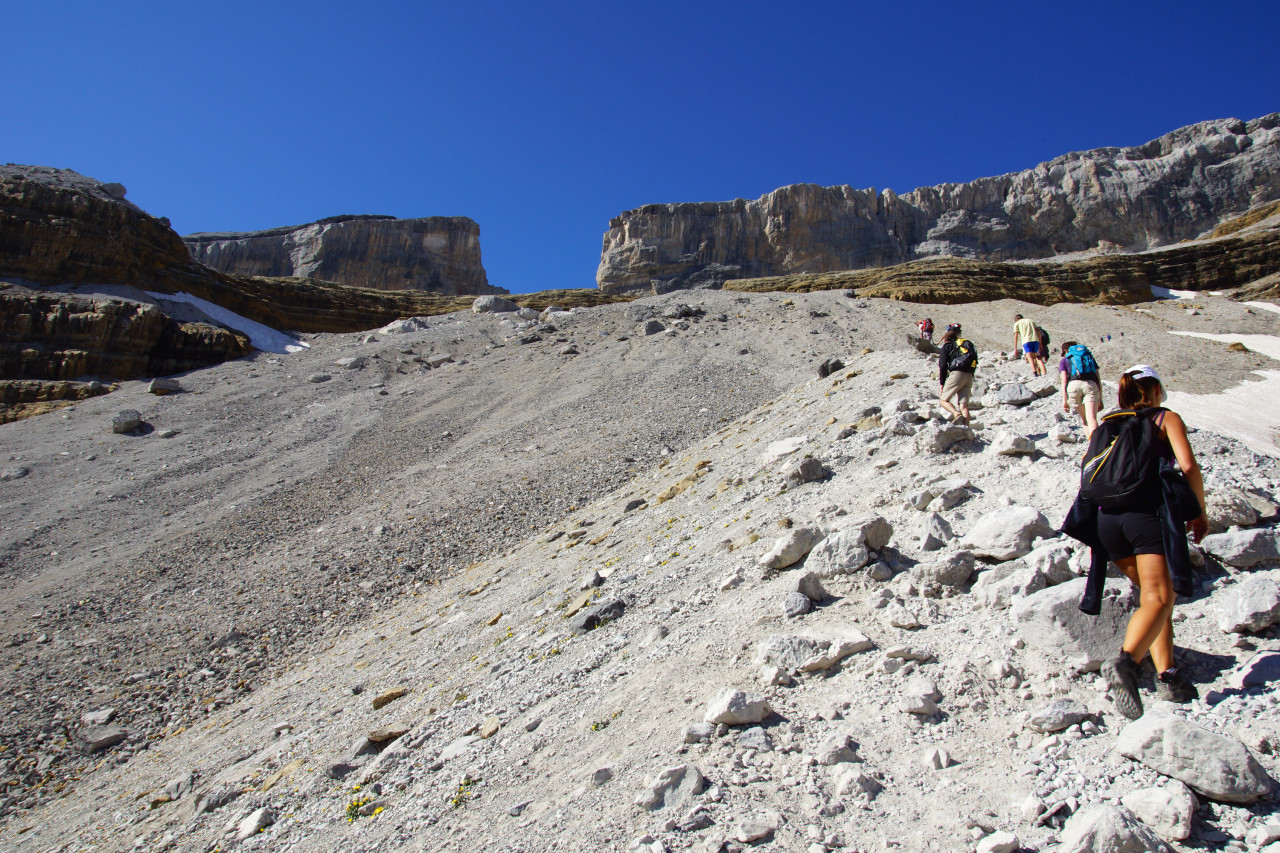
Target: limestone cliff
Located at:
point(1129, 199)
point(59, 227)
point(438, 254)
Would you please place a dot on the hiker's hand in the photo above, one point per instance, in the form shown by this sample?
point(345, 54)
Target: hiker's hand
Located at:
point(1066, 407)
point(1198, 527)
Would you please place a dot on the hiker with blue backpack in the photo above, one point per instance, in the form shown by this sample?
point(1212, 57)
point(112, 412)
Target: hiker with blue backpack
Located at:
point(1141, 492)
point(1081, 387)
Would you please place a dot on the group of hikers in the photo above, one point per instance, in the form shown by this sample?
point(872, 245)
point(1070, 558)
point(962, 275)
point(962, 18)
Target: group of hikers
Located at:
point(1141, 493)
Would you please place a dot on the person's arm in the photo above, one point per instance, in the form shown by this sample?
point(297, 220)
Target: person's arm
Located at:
point(943, 356)
point(1176, 432)
point(1066, 406)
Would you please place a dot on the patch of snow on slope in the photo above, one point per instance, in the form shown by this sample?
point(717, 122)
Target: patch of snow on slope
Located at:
point(1249, 412)
point(262, 337)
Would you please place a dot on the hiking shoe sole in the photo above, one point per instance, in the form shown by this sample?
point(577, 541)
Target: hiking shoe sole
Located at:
point(1122, 676)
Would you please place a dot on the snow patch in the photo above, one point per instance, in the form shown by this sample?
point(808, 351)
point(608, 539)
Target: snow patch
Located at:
point(262, 337)
point(1249, 412)
point(1166, 293)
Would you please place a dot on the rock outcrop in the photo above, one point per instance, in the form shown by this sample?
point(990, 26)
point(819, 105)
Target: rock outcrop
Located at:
point(1238, 262)
point(59, 227)
point(437, 254)
point(1173, 188)
point(54, 336)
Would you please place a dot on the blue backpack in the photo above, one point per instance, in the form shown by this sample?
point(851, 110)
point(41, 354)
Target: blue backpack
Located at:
point(1080, 361)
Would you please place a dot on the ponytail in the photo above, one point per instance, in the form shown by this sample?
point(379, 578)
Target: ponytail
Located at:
point(1134, 393)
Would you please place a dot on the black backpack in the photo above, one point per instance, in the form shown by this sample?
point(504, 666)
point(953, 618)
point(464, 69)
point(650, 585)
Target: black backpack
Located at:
point(964, 356)
point(1121, 466)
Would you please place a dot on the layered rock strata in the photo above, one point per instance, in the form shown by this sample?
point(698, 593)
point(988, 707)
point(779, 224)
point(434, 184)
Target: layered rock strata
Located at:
point(438, 254)
point(59, 337)
point(1173, 188)
point(59, 227)
point(1220, 264)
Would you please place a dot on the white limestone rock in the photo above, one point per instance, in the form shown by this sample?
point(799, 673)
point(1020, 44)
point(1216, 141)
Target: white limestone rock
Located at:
point(735, 707)
point(673, 788)
point(1101, 828)
point(791, 547)
point(1217, 766)
point(1167, 809)
point(1006, 443)
point(1244, 548)
point(1251, 605)
point(1006, 533)
point(1051, 621)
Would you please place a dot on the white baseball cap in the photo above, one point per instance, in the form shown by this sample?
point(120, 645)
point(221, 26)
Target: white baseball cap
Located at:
point(1142, 371)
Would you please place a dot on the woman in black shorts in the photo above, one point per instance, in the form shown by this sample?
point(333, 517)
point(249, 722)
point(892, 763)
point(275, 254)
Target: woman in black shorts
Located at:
point(1132, 536)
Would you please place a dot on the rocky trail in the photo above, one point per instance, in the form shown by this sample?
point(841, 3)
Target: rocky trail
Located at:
point(633, 577)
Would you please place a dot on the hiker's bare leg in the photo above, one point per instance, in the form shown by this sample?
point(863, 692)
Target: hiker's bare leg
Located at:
point(1090, 416)
point(1151, 626)
point(948, 407)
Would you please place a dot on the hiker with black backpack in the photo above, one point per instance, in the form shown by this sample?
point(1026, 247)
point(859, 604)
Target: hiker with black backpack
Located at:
point(1081, 388)
point(957, 361)
point(1141, 492)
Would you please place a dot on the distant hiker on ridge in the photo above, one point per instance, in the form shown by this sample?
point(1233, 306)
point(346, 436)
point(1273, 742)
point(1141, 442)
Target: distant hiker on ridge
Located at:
point(1026, 339)
point(956, 363)
point(1081, 388)
point(926, 329)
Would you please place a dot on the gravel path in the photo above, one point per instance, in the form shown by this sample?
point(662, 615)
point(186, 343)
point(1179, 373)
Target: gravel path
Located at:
point(172, 578)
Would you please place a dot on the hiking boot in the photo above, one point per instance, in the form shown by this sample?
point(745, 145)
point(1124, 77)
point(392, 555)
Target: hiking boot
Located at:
point(1121, 674)
point(1172, 687)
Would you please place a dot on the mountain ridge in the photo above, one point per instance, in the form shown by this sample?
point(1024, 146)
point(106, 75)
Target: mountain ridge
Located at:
point(1177, 186)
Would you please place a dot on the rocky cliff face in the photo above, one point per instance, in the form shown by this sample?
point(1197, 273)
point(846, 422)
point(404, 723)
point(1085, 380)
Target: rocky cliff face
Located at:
point(1173, 188)
point(439, 254)
point(54, 336)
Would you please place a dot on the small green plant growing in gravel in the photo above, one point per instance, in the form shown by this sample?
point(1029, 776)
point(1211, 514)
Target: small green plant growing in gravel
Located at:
point(464, 793)
point(601, 725)
point(357, 802)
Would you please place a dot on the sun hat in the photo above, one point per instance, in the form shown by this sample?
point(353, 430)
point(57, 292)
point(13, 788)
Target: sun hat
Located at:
point(1143, 371)
point(1140, 371)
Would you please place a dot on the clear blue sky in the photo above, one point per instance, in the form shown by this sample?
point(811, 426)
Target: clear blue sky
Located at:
point(543, 120)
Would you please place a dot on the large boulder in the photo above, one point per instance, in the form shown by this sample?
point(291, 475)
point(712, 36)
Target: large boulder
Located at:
point(1051, 621)
point(1229, 507)
point(736, 707)
point(673, 788)
point(1167, 809)
point(809, 654)
point(939, 439)
point(952, 570)
point(841, 553)
point(1015, 394)
point(493, 305)
point(1217, 766)
point(1251, 605)
point(999, 586)
point(1101, 828)
point(1007, 443)
point(1244, 548)
point(791, 547)
point(1007, 533)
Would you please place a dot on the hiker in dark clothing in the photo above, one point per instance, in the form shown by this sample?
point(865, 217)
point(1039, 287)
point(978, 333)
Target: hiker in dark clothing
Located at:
point(1146, 537)
point(956, 363)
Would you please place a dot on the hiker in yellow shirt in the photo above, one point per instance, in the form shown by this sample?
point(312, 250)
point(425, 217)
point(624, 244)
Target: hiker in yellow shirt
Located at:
point(1026, 339)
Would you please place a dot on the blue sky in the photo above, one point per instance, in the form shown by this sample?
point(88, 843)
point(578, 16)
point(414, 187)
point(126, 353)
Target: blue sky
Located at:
point(542, 121)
